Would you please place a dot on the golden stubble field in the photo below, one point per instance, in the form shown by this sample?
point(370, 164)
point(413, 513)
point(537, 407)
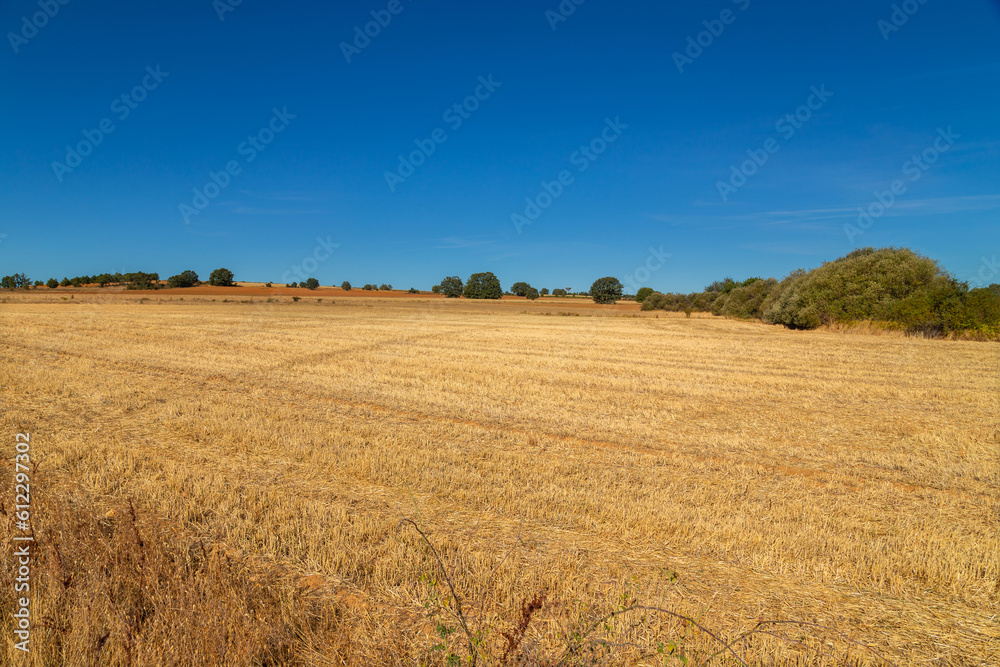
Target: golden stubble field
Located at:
point(225, 483)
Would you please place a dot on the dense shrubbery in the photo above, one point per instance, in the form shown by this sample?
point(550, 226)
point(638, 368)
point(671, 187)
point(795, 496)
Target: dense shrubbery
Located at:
point(744, 300)
point(891, 285)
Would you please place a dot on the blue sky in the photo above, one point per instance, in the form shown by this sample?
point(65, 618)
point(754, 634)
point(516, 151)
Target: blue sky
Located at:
point(627, 149)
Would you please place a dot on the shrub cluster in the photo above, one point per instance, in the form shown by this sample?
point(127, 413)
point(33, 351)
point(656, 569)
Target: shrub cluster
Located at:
point(891, 285)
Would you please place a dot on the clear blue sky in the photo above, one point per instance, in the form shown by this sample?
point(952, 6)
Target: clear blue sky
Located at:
point(894, 90)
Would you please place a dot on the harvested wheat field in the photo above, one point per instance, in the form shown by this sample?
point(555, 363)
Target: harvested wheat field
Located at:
point(229, 483)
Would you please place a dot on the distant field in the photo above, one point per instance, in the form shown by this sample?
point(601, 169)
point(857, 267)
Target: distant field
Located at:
point(587, 456)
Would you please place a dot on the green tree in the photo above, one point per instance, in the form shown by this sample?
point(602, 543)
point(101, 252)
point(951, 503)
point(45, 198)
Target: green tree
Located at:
point(520, 289)
point(311, 283)
point(16, 281)
point(65, 282)
point(221, 278)
point(52, 283)
point(483, 286)
point(452, 287)
point(436, 289)
point(544, 291)
point(141, 281)
point(606, 290)
point(184, 279)
point(384, 287)
point(346, 286)
point(531, 294)
point(559, 292)
point(643, 292)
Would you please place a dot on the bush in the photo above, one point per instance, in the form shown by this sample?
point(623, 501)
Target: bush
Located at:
point(267, 284)
point(559, 292)
point(52, 283)
point(436, 289)
point(606, 290)
point(650, 302)
point(863, 285)
point(544, 291)
point(311, 283)
point(722, 286)
point(346, 286)
point(385, 288)
point(745, 302)
point(452, 287)
point(293, 285)
point(643, 292)
point(368, 287)
point(414, 290)
point(531, 294)
point(65, 282)
point(483, 286)
point(184, 279)
point(221, 278)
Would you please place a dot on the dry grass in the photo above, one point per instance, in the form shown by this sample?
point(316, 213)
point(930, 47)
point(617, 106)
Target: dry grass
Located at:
point(725, 471)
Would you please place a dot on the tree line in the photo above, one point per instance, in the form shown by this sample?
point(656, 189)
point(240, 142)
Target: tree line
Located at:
point(486, 285)
point(137, 280)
